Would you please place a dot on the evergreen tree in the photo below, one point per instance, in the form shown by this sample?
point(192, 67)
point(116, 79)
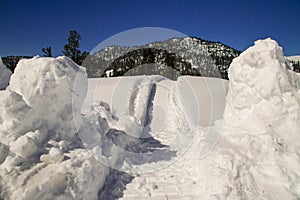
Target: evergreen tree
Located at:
point(71, 49)
point(83, 56)
point(47, 52)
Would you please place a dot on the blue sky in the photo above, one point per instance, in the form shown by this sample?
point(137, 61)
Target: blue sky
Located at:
point(28, 26)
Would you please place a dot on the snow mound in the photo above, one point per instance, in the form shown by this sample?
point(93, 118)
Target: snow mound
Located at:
point(259, 77)
point(4, 75)
point(257, 156)
point(50, 81)
point(41, 156)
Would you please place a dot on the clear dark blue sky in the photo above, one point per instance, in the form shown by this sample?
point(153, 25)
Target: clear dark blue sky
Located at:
point(27, 25)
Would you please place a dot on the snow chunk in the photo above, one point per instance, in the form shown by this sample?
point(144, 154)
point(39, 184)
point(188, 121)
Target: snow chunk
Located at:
point(54, 156)
point(262, 70)
point(79, 177)
point(48, 87)
point(13, 110)
point(36, 117)
point(24, 146)
point(4, 75)
point(258, 80)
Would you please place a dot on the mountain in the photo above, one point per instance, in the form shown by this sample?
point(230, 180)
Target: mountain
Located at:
point(294, 58)
point(170, 58)
point(294, 62)
point(176, 56)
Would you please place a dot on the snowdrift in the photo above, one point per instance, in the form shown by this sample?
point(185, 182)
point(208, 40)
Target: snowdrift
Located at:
point(39, 152)
point(200, 100)
point(65, 137)
point(257, 155)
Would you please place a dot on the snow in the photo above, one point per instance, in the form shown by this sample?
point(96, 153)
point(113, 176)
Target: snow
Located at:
point(4, 75)
point(49, 81)
point(24, 146)
point(195, 93)
point(147, 137)
point(159, 106)
point(257, 155)
point(294, 58)
point(41, 156)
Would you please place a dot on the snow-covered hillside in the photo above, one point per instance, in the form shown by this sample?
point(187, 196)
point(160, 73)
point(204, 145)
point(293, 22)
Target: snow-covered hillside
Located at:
point(294, 58)
point(63, 136)
point(189, 55)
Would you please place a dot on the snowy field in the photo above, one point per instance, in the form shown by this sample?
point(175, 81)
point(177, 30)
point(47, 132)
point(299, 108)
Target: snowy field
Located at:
point(63, 136)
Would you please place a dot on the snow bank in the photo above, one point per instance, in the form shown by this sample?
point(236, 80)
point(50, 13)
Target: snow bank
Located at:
point(4, 75)
point(257, 156)
point(261, 87)
point(201, 98)
point(41, 157)
point(170, 110)
point(50, 81)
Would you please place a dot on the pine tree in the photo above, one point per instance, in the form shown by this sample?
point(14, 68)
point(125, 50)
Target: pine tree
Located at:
point(71, 49)
point(47, 52)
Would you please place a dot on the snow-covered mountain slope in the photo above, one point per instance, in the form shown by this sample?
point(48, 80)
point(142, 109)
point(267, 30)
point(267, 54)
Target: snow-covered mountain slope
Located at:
point(147, 137)
point(294, 62)
point(189, 56)
point(4, 76)
point(294, 58)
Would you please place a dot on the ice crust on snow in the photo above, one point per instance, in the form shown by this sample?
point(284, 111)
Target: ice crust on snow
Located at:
point(251, 150)
point(4, 75)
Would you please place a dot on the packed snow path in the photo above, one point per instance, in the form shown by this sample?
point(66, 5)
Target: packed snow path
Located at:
point(179, 179)
point(150, 112)
point(155, 105)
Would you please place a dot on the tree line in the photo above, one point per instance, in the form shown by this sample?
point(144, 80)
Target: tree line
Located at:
point(71, 50)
